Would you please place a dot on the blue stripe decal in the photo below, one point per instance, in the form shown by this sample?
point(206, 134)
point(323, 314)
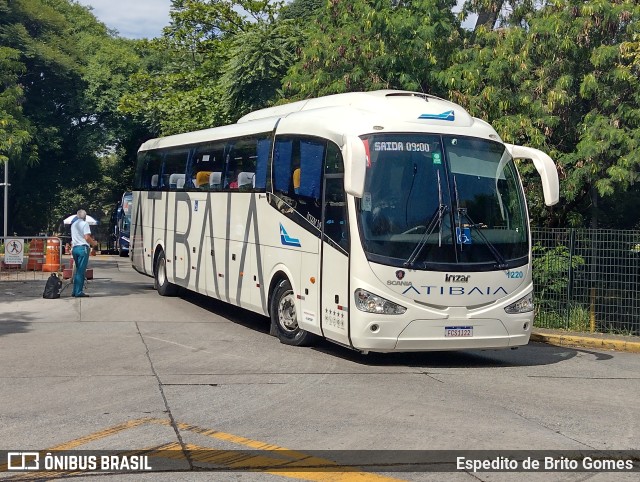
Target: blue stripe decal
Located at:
point(445, 116)
point(287, 240)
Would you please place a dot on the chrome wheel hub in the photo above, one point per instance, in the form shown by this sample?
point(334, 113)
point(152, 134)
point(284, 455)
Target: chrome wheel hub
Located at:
point(287, 313)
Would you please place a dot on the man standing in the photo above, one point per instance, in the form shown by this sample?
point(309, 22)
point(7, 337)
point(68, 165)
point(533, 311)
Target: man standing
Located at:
point(81, 240)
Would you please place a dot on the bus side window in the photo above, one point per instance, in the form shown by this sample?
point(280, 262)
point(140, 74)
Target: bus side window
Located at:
point(334, 163)
point(335, 213)
point(298, 165)
point(245, 161)
point(282, 166)
point(311, 163)
point(335, 200)
point(207, 160)
point(148, 173)
point(175, 166)
point(263, 152)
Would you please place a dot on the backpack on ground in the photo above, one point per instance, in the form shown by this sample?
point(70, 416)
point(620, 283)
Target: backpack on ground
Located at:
point(52, 288)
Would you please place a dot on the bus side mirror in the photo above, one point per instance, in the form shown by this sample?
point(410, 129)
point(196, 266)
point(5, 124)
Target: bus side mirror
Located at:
point(355, 165)
point(546, 169)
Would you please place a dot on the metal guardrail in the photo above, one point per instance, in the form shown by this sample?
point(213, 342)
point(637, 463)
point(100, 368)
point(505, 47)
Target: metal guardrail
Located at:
point(587, 280)
point(30, 257)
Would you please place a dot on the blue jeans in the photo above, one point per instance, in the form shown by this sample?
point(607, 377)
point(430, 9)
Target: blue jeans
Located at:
point(81, 259)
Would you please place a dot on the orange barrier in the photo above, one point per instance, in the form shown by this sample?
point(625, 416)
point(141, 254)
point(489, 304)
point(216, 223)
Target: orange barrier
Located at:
point(53, 255)
point(36, 255)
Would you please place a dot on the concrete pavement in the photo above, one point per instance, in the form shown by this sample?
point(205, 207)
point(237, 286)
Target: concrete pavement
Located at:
point(26, 284)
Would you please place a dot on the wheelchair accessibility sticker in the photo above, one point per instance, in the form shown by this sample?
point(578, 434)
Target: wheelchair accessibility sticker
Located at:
point(463, 236)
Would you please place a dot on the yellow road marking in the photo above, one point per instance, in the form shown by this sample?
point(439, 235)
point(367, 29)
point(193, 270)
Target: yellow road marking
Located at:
point(288, 462)
point(107, 432)
point(326, 471)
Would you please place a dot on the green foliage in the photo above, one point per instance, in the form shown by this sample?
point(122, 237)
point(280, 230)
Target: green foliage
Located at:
point(373, 44)
point(301, 10)
point(61, 75)
point(259, 60)
point(15, 129)
point(504, 12)
point(577, 319)
point(551, 280)
point(566, 83)
point(183, 91)
point(560, 75)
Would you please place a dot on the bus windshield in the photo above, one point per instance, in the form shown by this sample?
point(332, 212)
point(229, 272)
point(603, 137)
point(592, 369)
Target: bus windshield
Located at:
point(442, 203)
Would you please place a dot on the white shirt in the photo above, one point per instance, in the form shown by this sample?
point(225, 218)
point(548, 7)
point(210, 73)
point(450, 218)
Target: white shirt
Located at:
point(78, 229)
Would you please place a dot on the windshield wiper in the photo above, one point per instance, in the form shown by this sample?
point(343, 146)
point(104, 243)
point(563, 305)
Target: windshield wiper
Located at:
point(436, 220)
point(502, 263)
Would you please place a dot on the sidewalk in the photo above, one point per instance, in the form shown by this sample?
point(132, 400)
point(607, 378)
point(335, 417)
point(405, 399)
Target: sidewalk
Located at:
point(602, 341)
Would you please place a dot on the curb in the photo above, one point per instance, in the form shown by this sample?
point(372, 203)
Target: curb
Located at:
point(587, 342)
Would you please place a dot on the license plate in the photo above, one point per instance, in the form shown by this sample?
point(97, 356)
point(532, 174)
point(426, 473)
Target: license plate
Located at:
point(458, 331)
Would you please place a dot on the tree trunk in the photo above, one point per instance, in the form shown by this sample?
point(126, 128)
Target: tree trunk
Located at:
point(489, 16)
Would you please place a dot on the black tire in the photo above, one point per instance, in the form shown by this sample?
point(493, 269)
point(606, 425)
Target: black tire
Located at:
point(160, 276)
point(122, 253)
point(284, 317)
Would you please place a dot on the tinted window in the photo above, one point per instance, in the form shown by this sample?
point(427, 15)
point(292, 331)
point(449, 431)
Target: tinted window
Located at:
point(207, 167)
point(297, 176)
point(149, 170)
point(175, 166)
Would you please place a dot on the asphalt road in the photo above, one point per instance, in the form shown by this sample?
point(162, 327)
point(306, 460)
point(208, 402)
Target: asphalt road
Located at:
point(127, 369)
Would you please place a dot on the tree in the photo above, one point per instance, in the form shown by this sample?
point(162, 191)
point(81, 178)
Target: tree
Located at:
point(301, 10)
point(63, 102)
point(567, 83)
point(183, 92)
point(15, 129)
point(260, 58)
point(373, 44)
point(499, 12)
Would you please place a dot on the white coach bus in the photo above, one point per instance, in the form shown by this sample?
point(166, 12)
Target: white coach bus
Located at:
point(382, 221)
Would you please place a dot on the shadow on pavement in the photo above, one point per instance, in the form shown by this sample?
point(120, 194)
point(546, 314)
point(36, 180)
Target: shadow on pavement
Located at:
point(12, 323)
point(534, 354)
point(240, 316)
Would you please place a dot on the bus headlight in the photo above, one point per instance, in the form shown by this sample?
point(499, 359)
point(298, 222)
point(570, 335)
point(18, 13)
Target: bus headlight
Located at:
point(366, 301)
point(523, 305)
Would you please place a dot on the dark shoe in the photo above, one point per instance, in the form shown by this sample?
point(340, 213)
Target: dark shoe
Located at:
point(81, 295)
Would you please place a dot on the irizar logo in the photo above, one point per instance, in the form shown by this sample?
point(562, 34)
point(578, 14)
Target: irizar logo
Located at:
point(456, 278)
point(287, 240)
point(445, 116)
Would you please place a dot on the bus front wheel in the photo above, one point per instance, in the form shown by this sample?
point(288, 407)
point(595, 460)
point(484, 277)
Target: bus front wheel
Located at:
point(164, 287)
point(285, 318)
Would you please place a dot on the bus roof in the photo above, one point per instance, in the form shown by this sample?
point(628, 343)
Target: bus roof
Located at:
point(359, 113)
point(354, 113)
point(211, 134)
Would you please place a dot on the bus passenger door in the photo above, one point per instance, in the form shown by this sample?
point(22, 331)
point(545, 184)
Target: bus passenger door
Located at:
point(335, 261)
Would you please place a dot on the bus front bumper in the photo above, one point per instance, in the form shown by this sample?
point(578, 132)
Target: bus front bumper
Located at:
point(444, 335)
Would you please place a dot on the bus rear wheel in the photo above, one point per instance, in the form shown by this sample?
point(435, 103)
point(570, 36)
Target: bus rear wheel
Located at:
point(284, 317)
point(162, 284)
